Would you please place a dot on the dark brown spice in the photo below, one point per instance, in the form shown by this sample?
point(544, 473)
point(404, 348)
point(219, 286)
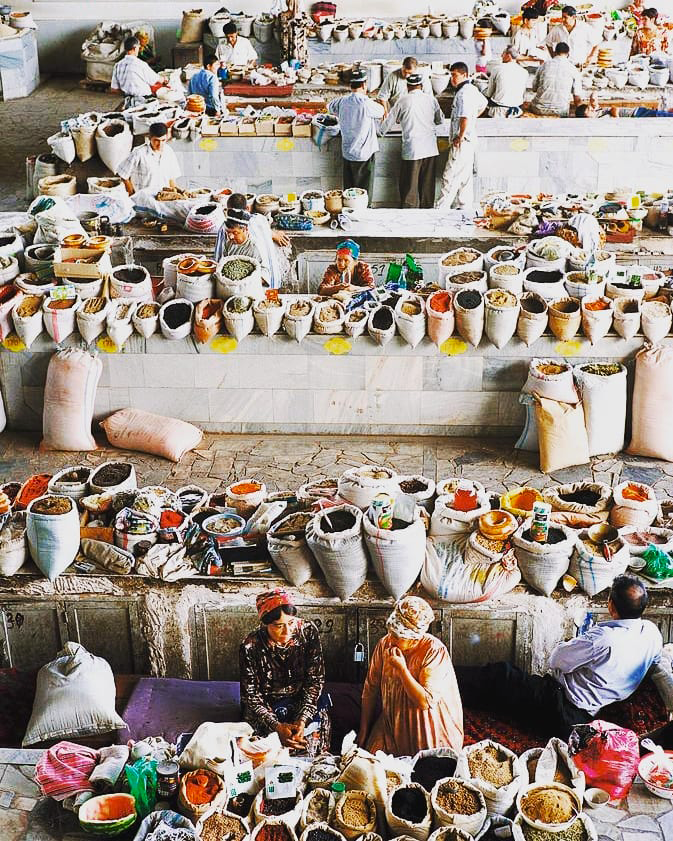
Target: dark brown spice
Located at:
point(468, 299)
point(553, 535)
point(112, 474)
point(581, 497)
point(280, 806)
point(337, 521)
point(409, 804)
point(383, 318)
point(429, 769)
point(175, 315)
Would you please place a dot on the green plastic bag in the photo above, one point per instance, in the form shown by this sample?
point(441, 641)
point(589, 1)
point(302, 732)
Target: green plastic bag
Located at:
point(142, 779)
point(658, 564)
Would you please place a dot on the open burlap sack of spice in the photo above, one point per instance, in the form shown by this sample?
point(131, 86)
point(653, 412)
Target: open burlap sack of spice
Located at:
point(317, 808)
point(355, 814)
point(544, 564)
point(284, 808)
point(200, 791)
point(459, 803)
point(554, 764)
point(495, 771)
point(273, 829)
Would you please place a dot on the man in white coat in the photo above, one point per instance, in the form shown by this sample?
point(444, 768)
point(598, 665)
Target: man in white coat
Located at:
point(468, 104)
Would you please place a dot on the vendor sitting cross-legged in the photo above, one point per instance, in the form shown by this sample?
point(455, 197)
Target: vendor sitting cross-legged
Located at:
point(283, 676)
point(347, 272)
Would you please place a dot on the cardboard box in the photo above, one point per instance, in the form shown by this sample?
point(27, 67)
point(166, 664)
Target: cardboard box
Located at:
point(283, 129)
point(19, 66)
point(229, 127)
point(301, 129)
point(101, 268)
point(264, 126)
point(247, 126)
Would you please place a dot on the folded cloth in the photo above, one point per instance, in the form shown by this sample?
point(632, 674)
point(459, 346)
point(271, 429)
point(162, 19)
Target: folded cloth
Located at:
point(167, 562)
point(64, 769)
point(111, 763)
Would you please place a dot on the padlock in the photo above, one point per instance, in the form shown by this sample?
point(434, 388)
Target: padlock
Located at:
point(359, 653)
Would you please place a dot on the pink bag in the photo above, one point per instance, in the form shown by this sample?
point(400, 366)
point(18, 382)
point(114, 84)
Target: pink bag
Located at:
point(608, 755)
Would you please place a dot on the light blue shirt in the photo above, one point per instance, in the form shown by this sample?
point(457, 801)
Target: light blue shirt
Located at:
point(607, 663)
point(207, 84)
point(357, 115)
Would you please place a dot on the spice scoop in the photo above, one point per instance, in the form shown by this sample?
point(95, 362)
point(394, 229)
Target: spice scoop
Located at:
point(603, 535)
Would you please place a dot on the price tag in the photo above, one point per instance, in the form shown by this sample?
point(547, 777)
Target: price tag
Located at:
point(570, 348)
point(281, 781)
point(106, 344)
point(60, 293)
point(224, 344)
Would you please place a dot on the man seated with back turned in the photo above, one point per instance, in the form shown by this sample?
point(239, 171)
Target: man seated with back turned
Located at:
point(597, 668)
point(554, 83)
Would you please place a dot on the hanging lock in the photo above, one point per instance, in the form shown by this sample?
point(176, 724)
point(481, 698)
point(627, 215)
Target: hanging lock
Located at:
point(359, 653)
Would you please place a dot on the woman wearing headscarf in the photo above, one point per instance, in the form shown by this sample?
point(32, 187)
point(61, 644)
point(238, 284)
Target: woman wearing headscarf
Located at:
point(411, 675)
point(283, 676)
point(346, 272)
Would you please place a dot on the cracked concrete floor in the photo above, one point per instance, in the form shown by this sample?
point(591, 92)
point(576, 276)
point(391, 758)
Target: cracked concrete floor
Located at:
point(285, 462)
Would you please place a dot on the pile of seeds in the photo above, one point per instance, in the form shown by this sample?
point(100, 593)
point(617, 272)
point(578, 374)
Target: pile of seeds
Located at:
point(219, 826)
point(237, 269)
point(466, 277)
point(602, 369)
point(93, 305)
point(454, 797)
point(487, 543)
point(506, 270)
point(492, 765)
point(356, 811)
point(576, 832)
point(52, 505)
point(29, 306)
point(299, 309)
point(459, 258)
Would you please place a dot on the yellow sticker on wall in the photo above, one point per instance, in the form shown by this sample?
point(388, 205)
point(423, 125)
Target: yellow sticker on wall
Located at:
point(519, 144)
point(338, 346)
point(224, 344)
point(285, 144)
point(13, 343)
point(570, 348)
point(453, 347)
point(106, 344)
point(208, 144)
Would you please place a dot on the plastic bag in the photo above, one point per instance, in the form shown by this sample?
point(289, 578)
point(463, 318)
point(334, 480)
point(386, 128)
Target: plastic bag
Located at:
point(659, 564)
point(142, 780)
point(607, 754)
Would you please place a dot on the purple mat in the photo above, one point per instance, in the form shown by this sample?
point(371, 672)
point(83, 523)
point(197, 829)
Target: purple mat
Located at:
point(168, 707)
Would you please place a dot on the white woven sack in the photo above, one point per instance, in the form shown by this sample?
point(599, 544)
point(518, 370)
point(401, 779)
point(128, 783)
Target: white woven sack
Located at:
point(544, 285)
point(498, 800)
point(193, 287)
point(91, 325)
point(113, 150)
point(590, 829)
point(468, 823)
point(291, 818)
point(596, 323)
point(146, 326)
point(59, 323)
point(27, 327)
point(400, 826)
point(75, 490)
point(531, 325)
point(139, 290)
point(475, 265)
point(359, 488)
point(323, 803)
point(632, 512)
point(53, 539)
point(499, 322)
point(381, 336)
point(396, 555)
point(556, 755)
point(328, 328)
point(543, 564)
point(69, 398)
point(251, 285)
point(13, 544)
point(127, 484)
point(600, 509)
point(238, 324)
point(298, 326)
point(120, 327)
point(291, 555)
point(183, 330)
point(626, 324)
point(424, 498)
point(269, 319)
point(440, 324)
point(604, 404)
point(655, 320)
point(447, 520)
point(469, 322)
point(341, 555)
point(594, 573)
point(553, 386)
point(355, 328)
point(455, 283)
point(512, 282)
point(411, 327)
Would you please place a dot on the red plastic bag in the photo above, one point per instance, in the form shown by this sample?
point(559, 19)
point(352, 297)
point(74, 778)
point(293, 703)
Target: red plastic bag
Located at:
point(607, 754)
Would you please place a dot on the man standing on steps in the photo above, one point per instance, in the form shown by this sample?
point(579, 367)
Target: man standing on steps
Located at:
point(358, 116)
point(417, 113)
point(468, 104)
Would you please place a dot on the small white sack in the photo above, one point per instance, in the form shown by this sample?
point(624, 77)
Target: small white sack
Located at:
point(27, 327)
point(118, 321)
point(411, 325)
point(59, 323)
point(92, 324)
point(298, 326)
point(53, 539)
point(498, 799)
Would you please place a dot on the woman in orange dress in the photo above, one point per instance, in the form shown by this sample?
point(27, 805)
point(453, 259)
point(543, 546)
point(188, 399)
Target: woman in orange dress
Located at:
point(649, 38)
point(411, 673)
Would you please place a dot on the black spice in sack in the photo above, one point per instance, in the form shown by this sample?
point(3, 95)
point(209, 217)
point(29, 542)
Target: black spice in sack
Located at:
point(175, 315)
point(383, 319)
point(553, 536)
point(409, 804)
point(533, 305)
point(129, 275)
point(321, 835)
point(337, 521)
point(581, 497)
point(240, 805)
point(112, 474)
point(280, 806)
point(429, 769)
point(545, 276)
point(468, 299)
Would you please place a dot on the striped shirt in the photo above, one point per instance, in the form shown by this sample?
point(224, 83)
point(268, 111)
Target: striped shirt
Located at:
point(357, 115)
point(133, 77)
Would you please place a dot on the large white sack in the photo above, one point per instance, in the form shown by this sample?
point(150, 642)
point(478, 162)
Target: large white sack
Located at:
point(652, 402)
point(69, 397)
point(604, 403)
point(396, 555)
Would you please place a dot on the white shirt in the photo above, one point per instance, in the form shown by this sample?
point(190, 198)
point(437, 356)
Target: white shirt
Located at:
point(418, 114)
point(529, 42)
point(149, 170)
point(507, 85)
point(468, 102)
point(241, 53)
point(133, 77)
point(394, 86)
point(581, 40)
point(357, 115)
point(607, 663)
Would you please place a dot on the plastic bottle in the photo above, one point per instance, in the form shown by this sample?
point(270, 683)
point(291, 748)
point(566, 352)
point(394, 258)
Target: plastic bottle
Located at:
point(338, 790)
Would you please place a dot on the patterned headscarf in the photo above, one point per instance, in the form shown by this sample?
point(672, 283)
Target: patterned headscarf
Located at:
point(411, 618)
point(349, 246)
point(269, 601)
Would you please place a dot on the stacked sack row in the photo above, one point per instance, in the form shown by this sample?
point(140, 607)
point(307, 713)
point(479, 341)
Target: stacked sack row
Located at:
point(466, 545)
point(575, 412)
